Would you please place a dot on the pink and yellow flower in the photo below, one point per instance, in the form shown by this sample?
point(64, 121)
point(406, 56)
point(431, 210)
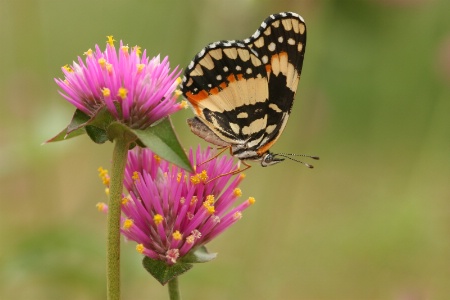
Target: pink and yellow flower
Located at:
point(170, 212)
point(135, 89)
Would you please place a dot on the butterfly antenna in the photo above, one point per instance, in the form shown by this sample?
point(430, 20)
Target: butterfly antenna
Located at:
point(288, 156)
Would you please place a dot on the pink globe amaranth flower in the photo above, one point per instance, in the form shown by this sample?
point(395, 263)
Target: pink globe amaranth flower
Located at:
point(170, 212)
point(136, 90)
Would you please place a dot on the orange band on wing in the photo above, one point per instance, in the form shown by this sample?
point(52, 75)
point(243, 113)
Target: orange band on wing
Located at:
point(194, 99)
point(266, 147)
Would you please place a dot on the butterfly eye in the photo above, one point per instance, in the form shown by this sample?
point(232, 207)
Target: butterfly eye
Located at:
point(270, 159)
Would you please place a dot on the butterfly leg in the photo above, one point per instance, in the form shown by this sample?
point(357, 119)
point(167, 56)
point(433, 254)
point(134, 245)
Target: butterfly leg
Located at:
point(222, 150)
point(234, 172)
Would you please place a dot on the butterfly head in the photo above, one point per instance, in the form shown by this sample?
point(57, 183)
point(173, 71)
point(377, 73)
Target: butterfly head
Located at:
point(269, 159)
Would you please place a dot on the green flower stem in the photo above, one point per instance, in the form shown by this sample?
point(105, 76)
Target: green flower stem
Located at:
point(174, 291)
point(122, 143)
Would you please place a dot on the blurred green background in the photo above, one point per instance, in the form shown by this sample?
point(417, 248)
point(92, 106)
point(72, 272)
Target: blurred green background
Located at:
point(371, 221)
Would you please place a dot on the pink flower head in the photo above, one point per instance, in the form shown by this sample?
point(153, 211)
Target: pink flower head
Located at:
point(169, 211)
point(136, 90)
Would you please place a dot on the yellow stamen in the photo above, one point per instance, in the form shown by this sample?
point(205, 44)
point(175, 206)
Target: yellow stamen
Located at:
point(122, 93)
point(88, 53)
point(106, 92)
point(209, 204)
point(107, 191)
point(183, 104)
point(68, 68)
point(237, 215)
point(158, 219)
point(177, 235)
point(242, 175)
point(110, 40)
point(237, 192)
point(251, 200)
point(102, 62)
point(179, 175)
point(195, 179)
point(203, 176)
point(109, 68)
point(140, 248)
point(140, 67)
point(127, 224)
point(101, 206)
point(157, 158)
point(137, 49)
point(190, 239)
point(178, 80)
point(125, 200)
point(125, 49)
point(210, 199)
point(135, 176)
point(103, 174)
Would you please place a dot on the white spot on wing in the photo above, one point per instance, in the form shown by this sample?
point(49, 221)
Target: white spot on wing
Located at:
point(271, 46)
point(242, 115)
point(255, 126)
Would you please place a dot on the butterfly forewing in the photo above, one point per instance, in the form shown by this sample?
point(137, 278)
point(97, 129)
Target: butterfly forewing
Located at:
point(243, 90)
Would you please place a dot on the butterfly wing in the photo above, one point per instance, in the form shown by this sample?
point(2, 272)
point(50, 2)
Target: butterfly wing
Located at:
point(280, 43)
point(243, 91)
point(223, 83)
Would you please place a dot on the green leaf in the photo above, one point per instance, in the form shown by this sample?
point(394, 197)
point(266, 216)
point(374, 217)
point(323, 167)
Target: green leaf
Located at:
point(97, 135)
point(163, 272)
point(162, 139)
point(78, 120)
point(199, 255)
point(73, 129)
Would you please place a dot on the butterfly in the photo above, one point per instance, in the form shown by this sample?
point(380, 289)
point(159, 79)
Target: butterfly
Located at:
point(242, 91)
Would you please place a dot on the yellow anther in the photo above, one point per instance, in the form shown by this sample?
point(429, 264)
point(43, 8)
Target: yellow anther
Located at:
point(127, 224)
point(102, 62)
point(106, 92)
point(210, 199)
point(203, 176)
point(140, 67)
point(237, 192)
point(177, 235)
point(195, 179)
point(109, 68)
point(125, 200)
point(88, 53)
point(179, 175)
point(137, 49)
point(101, 206)
point(251, 200)
point(125, 49)
point(158, 219)
point(110, 40)
point(140, 248)
point(135, 176)
point(190, 239)
point(157, 158)
point(68, 68)
point(122, 93)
